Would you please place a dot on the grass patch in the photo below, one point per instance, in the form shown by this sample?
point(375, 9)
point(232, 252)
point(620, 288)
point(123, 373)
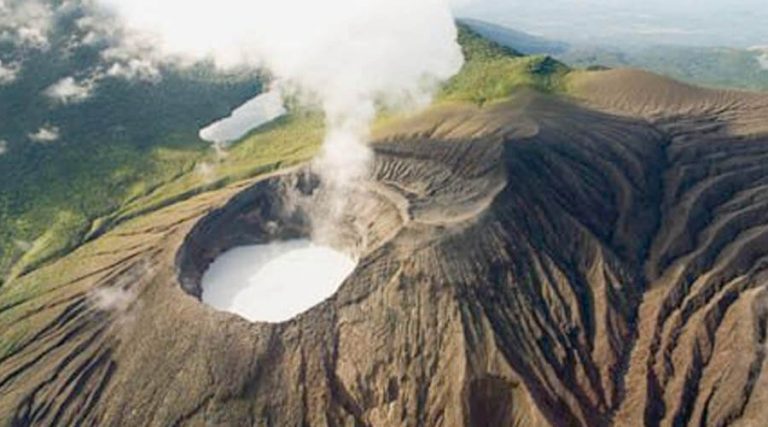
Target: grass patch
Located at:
point(493, 72)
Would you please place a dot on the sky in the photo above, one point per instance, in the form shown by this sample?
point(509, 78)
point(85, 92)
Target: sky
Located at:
point(734, 23)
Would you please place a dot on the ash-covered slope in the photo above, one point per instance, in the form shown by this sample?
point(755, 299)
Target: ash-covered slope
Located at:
point(596, 261)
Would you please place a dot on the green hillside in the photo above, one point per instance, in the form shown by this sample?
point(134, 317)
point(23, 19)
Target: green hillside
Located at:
point(719, 67)
point(493, 71)
point(525, 43)
point(707, 66)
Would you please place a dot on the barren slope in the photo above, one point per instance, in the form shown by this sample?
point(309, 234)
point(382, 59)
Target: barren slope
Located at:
point(595, 261)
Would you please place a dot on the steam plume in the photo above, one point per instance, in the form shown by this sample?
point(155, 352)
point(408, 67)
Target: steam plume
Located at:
point(348, 57)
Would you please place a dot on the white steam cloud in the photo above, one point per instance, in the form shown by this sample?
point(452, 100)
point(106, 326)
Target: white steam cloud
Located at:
point(108, 299)
point(349, 57)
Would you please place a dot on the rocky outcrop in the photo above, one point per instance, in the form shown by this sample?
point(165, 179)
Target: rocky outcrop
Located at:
point(596, 261)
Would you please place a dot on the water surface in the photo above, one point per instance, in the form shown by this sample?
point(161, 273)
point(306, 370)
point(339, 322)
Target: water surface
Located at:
point(274, 282)
point(254, 113)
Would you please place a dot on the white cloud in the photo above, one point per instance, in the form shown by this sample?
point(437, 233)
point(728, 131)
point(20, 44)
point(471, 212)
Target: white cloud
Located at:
point(135, 69)
point(126, 55)
point(3, 146)
point(45, 134)
point(26, 23)
point(69, 91)
point(97, 27)
point(8, 72)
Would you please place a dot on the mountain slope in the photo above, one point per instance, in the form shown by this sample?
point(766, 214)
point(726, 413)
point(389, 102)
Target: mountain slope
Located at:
point(719, 67)
point(597, 259)
point(492, 72)
point(523, 42)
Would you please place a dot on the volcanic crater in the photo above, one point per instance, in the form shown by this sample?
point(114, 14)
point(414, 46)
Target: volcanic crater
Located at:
point(397, 206)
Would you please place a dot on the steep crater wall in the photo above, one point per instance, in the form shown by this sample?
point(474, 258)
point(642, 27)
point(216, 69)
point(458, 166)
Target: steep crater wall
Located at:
point(415, 200)
point(262, 213)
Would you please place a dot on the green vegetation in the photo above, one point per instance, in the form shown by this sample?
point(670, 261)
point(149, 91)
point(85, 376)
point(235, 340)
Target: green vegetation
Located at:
point(522, 42)
point(477, 48)
point(129, 138)
point(287, 141)
point(707, 66)
point(493, 72)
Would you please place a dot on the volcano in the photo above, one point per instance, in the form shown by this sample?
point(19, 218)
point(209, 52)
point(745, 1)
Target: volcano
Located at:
point(597, 259)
